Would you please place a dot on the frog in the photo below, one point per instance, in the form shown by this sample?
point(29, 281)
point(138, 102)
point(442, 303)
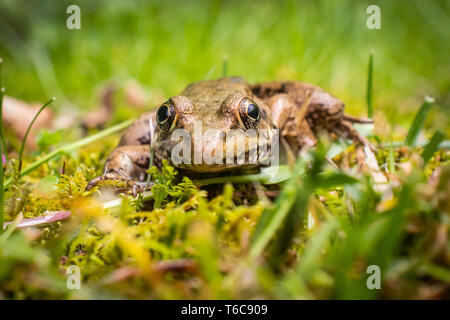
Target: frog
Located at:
point(299, 111)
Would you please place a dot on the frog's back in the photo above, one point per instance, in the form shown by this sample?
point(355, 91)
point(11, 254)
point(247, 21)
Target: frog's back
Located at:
point(208, 95)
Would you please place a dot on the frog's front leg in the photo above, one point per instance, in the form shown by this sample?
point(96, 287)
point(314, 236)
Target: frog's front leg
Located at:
point(127, 164)
point(130, 160)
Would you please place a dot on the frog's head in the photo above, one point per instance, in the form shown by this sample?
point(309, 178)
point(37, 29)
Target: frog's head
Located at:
point(214, 114)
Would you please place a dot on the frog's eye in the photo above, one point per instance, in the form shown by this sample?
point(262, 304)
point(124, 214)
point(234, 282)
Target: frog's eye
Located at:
point(166, 116)
point(253, 111)
point(248, 113)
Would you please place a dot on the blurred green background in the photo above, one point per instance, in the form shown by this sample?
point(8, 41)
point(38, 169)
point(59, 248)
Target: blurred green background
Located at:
point(167, 44)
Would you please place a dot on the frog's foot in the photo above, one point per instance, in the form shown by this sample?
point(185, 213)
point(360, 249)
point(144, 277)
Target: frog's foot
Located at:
point(345, 129)
point(124, 168)
point(120, 182)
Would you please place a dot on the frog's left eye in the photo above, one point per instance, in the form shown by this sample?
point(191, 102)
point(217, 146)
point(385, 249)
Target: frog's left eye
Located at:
point(248, 113)
point(166, 116)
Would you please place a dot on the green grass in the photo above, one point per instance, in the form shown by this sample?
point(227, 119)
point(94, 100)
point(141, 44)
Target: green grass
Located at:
point(419, 121)
point(263, 41)
point(370, 87)
point(24, 140)
point(432, 146)
point(69, 147)
point(2, 148)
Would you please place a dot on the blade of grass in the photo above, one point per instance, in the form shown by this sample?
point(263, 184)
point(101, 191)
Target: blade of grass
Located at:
point(2, 194)
point(9, 227)
point(436, 271)
point(273, 217)
point(334, 179)
point(2, 92)
point(443, 145)
point(282, 238)
point(419, 121)
point(269, 175)
point(282, 221)
point(116, 203)
point(225, 67)
point(22, 147)
point(295, 284)
point(72, 146)
point(370, 87)
point(2, 147)
point(391, 159)
point(304, 189)
point(210, 72)
point(315, 248)
point(432, 146)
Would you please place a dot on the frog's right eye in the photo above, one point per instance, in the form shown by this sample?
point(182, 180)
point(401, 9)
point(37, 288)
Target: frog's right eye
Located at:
point(248, 113)
point(166, 116)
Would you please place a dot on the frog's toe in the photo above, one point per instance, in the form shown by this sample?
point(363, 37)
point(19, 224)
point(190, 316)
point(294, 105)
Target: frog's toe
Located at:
point(118, 182)
point(93, 183)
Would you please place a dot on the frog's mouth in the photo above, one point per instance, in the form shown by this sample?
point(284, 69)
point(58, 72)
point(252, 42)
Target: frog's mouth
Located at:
point(223, 166)
point(210, 155)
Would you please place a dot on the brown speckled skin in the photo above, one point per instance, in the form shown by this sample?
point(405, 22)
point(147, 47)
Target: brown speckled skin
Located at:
point(299, 110)
point(324, 112)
